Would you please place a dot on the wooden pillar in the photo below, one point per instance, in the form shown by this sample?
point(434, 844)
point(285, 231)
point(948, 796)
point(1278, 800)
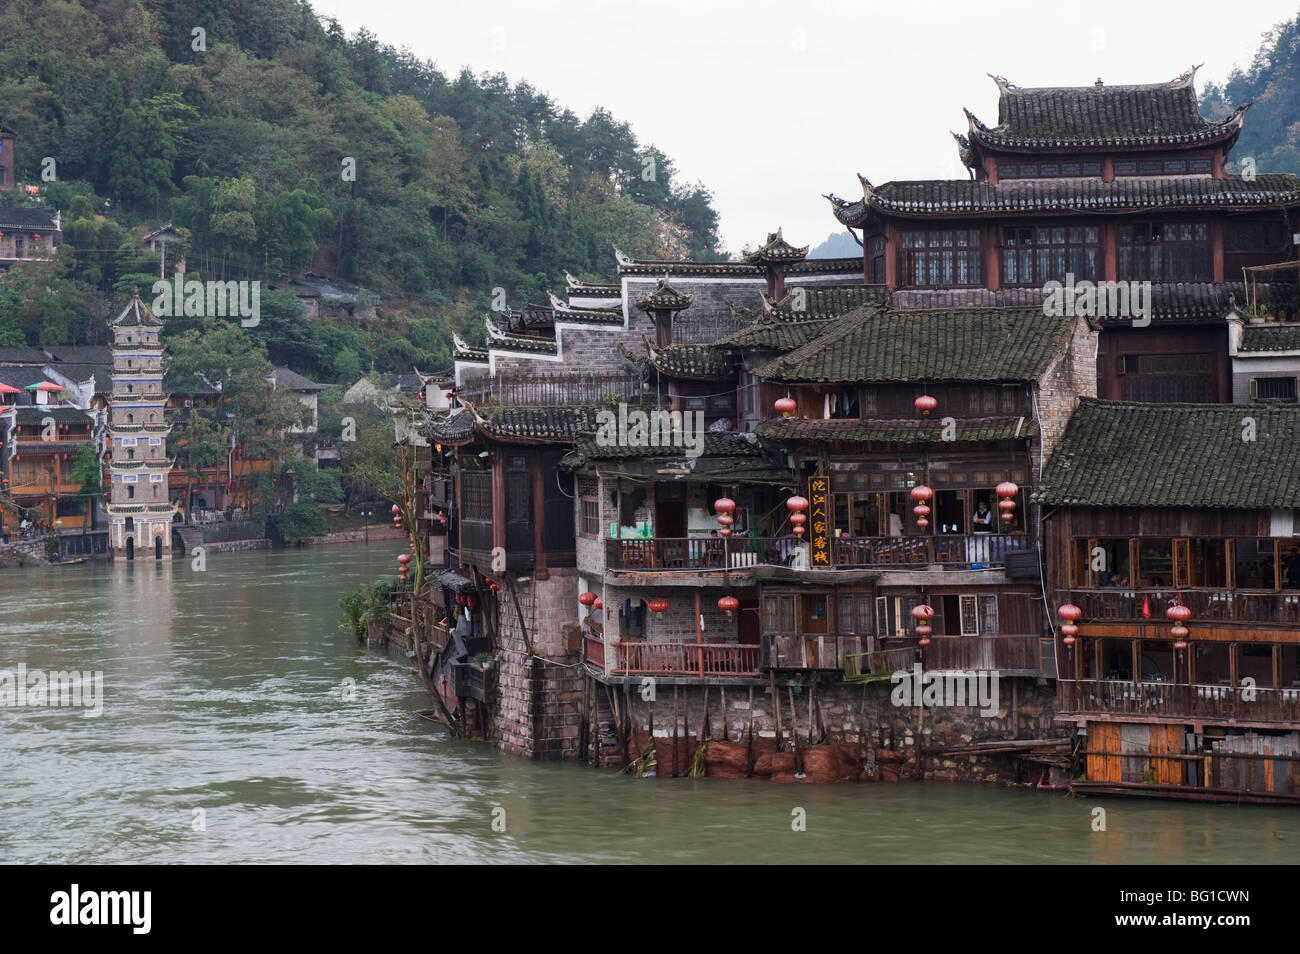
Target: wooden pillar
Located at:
point(1216, 249)
point(1108, 169)
point(539, 517)
point(1110, 252)
point(992, 277)
point(891, 256)
point(498, 500)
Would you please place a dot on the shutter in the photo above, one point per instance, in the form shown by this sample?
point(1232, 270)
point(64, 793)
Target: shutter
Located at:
point(1182, 566)
point(969, 616)
point(882, 617)
point(989, 615)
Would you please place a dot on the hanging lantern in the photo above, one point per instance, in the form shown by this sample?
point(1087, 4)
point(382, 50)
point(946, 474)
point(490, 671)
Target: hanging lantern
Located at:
point(796, 503)
point(396, 510)
point(925, 403)
point(1069, 612)
point(586, 599)
point(404, 558)
point(786, 406)
point(598, 604)
point(725, 520)
point(921, 493)
point(725, 531)
point(923, 612)
point(921, 510)
point(724, 505)
point(1069, 630)
point(798, 519)
point(729, 604)
point(1178, 613)
point(658, 605)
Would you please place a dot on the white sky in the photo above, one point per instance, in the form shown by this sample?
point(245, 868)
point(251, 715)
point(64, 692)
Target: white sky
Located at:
point(772, 104)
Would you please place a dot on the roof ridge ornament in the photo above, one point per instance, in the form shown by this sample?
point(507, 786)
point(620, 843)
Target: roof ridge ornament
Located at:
point(835, 201)
point(620, 257)
point(1004, 85)
point(569, 280)
point(458, 343)
point(972, 122)
point(495, 333)
point(964, 152)
point(557, 304)
point(1184, 80)
point(868, 190)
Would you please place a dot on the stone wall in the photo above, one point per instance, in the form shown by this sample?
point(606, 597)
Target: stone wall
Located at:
point(1073, 376)
point(860, 722)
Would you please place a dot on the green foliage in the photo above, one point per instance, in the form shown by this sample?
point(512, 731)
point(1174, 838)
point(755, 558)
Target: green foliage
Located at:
point(299, 521)
point(463, 183)
point(369, 601)
point(1271, 133)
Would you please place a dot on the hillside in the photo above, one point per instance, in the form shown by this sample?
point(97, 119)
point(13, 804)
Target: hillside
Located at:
point(283, 146)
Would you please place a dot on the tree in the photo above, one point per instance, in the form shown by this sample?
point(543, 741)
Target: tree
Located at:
point(88, 475)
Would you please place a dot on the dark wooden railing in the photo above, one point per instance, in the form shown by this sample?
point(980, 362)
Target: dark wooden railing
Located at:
point(697, 553)
point(958, 549)
point(593, 651)
point(1000, 653)
point(1180, 700)
point(686, 659)
point(804, 651)
point(1206, 603)
point(879, 665)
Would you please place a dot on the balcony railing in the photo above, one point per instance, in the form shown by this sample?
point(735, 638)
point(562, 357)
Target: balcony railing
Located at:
point(697, 553)
point(1000, 653)
point(555, 390)
point(593, 651)
point(805, 651)
point(686, 659)
point(958, 549)
point(1123, 696)
point(880, 664)
point(1207, 604)
point(976, 550)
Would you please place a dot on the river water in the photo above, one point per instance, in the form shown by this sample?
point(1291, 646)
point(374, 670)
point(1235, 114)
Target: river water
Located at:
point(240, 724)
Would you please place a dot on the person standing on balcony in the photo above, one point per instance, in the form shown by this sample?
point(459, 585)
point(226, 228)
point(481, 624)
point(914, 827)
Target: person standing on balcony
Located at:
point(983, 518)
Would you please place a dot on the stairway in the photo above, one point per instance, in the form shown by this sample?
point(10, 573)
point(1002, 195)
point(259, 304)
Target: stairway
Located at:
point(191, 537)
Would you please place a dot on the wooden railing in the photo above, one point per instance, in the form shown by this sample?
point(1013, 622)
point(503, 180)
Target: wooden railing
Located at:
point(804, 651)
point(687, 659)
point(1206, 604)
point(704, 553)
point(958, 549)
point(1174, 699)
point(593, 651)
point(879, 665)
point(697, 553)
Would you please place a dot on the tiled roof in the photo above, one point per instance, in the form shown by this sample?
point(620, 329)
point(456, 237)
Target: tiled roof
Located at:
point(135, 313)
point(665, 298)
point(1170, 301)
point(809, 266)
point(774, 334)
point(925, 431)
point(81, 354)
point(690, 360)
point(961, 197)
point(1099, 115)
point(285, 377)
point(557, 424)
point(716, 444)
point(776, 250)
point(12, 217)
point(30, 414)
point(1270, 338)
point(23, 375)
point(1122, 454)
point(455, 428)
point(592, 289)
point(726, 457)
point(992, 344)
point(23, 356)
point(809, 302)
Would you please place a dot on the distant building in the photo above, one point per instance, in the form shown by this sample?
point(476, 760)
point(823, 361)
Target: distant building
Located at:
point(28, 235)
point(139, 511)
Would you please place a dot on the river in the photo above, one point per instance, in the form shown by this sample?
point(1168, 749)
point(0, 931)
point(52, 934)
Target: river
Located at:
point(240, 724)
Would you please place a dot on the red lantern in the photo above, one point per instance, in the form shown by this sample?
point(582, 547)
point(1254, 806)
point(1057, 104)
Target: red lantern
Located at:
point(797, 531)
point(724, 505)
point(796, 503)
point(729, 604)
point(1007, 489)
point(922, 522)
point(1179, 632)
point(1069, 612)
point(599, 604)
point(786, 406)
point(658, 606)
point(921, 493)
point(725, 520)
point(921, 510)
point(1178, 613)
point(396, 510)
point(925, 403)
point(1006, 505)
point(404, 558)
point(725, 531)
point(922, 612)
point(798, 519)
point(586, 599)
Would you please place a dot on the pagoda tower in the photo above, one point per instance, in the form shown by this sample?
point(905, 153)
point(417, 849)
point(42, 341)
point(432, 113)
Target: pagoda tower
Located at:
point(139, 510)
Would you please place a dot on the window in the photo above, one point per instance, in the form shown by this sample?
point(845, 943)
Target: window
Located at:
point(1169, 378)
point(853, 613)
point(1162, 166)
point(1069, 168)
point(590, 524)
point(778, 614)
point(1254, 564)
point(1156, 562)
point(876, 260)
point(941, 257)
point(476, 495)
point(1165, 252)
point(1038, 254)
point(1273, 389)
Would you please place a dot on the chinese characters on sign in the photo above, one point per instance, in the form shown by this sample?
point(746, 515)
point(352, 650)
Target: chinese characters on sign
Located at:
point(819, 496)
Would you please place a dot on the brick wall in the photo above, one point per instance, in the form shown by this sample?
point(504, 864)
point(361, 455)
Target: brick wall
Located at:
point(1070, 378)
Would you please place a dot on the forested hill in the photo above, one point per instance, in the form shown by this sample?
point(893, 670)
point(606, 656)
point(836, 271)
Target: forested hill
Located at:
point(462, 183)
point(1271, 134)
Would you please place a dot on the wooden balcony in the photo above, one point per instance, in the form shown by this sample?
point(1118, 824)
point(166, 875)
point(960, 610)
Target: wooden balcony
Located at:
point(971, 551)
point(803, 651)
point(965, 551)
point(880, 664)
point(700, 660)
point(555, 390)
point(1012, 655)
point(1167, 699)
point(593, 651)
point(1207, 604)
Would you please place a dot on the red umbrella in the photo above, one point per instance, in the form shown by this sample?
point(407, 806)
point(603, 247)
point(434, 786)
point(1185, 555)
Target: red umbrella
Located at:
point(9, 389)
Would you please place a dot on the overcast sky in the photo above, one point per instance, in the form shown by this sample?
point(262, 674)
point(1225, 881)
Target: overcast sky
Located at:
point(772, 104)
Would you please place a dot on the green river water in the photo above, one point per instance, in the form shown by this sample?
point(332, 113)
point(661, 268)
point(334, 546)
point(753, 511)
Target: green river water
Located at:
point(228, 691)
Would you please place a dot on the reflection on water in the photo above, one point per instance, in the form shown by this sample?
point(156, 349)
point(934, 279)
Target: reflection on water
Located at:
point(224, 692)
